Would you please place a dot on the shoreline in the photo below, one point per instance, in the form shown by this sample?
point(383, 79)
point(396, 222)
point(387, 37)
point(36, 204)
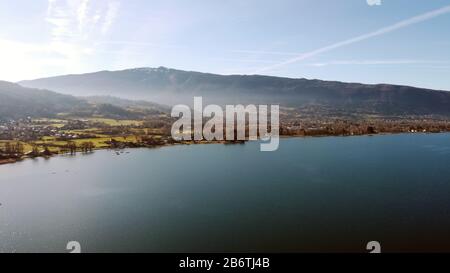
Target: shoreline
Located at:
point(8, 161)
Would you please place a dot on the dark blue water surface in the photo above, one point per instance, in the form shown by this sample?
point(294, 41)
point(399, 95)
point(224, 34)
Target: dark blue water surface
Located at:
point(313, 194)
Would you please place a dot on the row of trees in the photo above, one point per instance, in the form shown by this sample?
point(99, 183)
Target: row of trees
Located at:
point(72, 148)
point(87, 147)
point(18, 148)
point(10, 148)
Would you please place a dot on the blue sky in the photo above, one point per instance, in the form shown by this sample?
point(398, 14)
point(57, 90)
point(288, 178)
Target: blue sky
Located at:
point(399, 41)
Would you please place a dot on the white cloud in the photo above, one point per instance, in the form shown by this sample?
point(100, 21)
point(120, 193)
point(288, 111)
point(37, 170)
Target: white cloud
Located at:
point(82, 14)
point(81, 19)
point(110, 17)
point(76, 28)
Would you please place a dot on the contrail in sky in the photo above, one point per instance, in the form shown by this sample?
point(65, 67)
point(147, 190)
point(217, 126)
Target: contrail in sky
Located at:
point(396, 26)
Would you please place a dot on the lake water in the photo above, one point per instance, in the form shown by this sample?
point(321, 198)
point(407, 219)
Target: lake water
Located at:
point(313, 194)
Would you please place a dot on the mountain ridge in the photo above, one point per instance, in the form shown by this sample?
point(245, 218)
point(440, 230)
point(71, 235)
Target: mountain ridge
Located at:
point(172, 86)
point(163, 68)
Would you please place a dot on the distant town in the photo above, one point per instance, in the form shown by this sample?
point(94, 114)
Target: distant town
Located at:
point(31, 137)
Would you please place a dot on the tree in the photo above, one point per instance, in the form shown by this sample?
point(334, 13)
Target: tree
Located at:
point(47, 152)
point(20, 148)
point(35, 151)
point(91, 146)
point(138, 138)
point(72, 147)
point(87, 146)
point(8, 148)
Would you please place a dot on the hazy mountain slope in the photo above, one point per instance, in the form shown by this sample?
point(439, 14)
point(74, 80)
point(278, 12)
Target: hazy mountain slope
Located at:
point(126, 103)
point(170, 86)
point(17, 101)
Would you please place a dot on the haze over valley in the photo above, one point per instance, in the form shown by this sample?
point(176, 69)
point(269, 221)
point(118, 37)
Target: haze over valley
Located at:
point(169, 86)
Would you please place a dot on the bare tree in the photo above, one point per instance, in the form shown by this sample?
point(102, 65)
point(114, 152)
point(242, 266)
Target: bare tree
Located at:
point(72, 147)
point(20, 148)
point(87, 147)
point(8, 148)
point(35, 151)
